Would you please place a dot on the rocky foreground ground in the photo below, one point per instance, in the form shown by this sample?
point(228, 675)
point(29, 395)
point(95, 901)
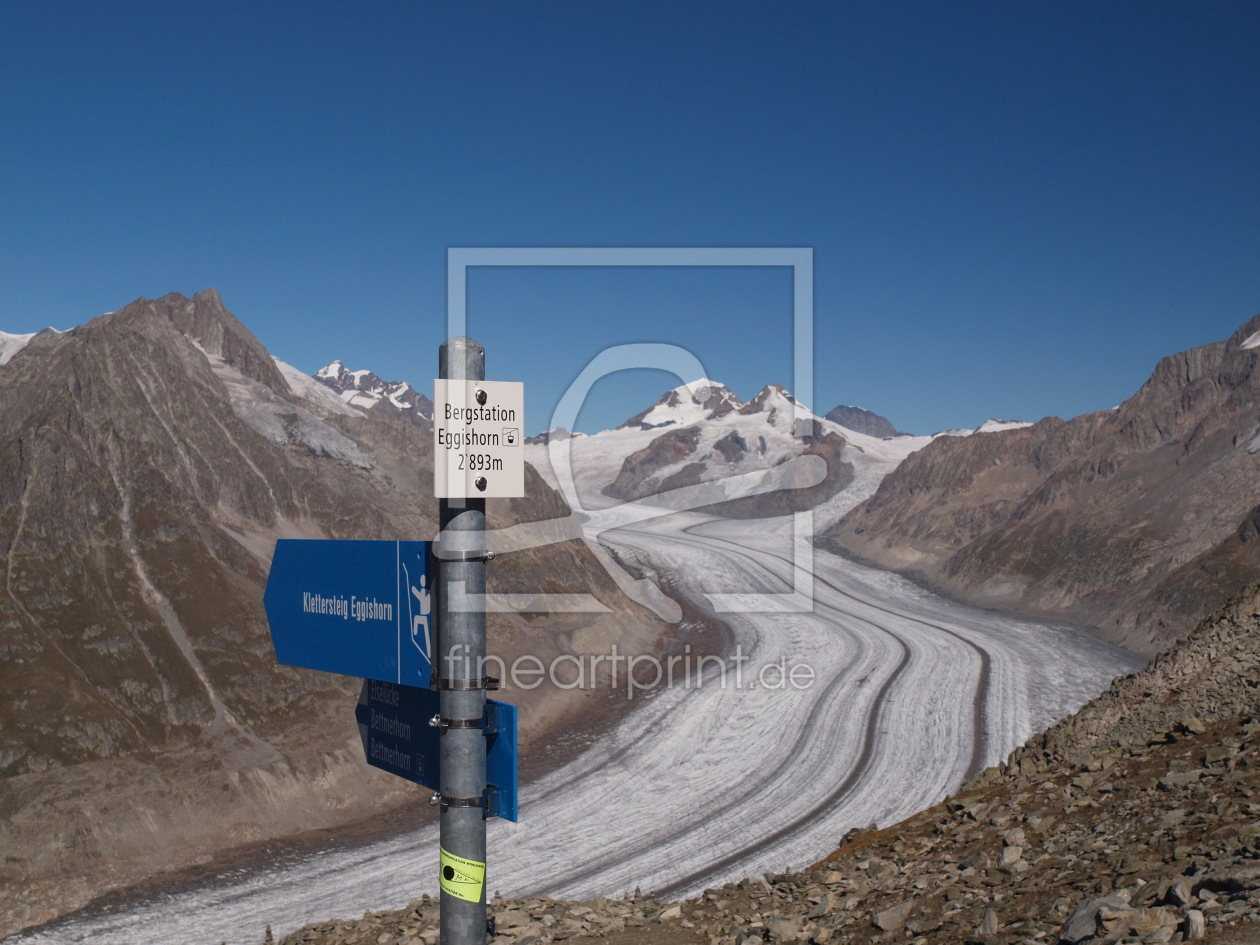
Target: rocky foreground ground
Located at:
point(1135, 820)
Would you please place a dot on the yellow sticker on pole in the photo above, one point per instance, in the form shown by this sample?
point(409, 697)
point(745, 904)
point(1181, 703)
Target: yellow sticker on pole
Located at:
point(461, 878)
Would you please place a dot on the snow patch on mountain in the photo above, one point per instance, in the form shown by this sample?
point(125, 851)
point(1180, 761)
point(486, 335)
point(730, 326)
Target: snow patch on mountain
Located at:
point(1253, 341)
point(993, 426)
point(310, 389)
point(12, 344)
point(280, 420)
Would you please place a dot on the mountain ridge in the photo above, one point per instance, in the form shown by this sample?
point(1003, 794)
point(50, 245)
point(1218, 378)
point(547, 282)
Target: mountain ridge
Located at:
point(1152, 502)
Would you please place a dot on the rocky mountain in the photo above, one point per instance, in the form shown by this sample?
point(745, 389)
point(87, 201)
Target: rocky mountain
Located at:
point(861, 420)
point(1134, 820)
point(1135, 520)
point(365, 390)
point(148, 461)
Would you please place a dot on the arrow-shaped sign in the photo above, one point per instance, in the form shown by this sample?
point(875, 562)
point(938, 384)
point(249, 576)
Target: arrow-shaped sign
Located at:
point(359, 608)
point(394, 726)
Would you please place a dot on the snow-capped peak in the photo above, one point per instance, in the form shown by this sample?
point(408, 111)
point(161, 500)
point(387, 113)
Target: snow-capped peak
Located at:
point(331, 371)
point(783, 411)
point(770, 397)
point(365, 390)
point(689, 403)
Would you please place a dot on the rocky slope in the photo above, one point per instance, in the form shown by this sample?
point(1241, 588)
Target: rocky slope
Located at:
point(1135, 820)
point(1134, 520)
point(148, 461)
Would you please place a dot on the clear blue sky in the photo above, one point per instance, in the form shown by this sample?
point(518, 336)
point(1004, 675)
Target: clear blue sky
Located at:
point(1015, 208)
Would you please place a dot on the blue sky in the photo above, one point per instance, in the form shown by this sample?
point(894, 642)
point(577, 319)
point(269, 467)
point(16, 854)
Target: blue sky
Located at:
point(1015, 209)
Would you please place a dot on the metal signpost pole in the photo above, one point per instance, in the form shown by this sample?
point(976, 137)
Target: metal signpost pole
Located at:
point(460, 671)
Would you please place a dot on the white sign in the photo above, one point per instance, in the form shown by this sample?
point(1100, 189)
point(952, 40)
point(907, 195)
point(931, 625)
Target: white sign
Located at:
point(478, 439)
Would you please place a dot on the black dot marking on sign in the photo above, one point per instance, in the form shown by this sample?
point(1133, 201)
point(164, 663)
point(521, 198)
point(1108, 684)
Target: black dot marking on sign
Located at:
point(448, 873)
point(480, 483)
point(481, 397)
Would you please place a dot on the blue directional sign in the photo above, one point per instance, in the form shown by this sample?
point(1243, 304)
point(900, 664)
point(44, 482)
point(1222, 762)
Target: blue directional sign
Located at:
point(359, 608)
point(397, 737)
point(395, 731)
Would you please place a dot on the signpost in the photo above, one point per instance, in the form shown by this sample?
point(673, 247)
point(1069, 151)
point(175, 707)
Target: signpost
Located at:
point(461, 685)
point(388, 612)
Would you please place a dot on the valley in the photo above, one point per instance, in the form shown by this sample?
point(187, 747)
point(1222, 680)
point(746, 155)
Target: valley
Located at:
point(800, 693)
point(910, 696)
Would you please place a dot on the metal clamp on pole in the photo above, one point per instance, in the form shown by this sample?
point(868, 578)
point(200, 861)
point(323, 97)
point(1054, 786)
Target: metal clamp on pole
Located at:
point(442, 722)
point(486, 802)
point(467, 685)
point(455, 555)
point(448, 802)
point(488, 721)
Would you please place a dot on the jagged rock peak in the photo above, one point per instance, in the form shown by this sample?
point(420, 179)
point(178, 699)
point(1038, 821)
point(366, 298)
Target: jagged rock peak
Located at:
point(205, 320)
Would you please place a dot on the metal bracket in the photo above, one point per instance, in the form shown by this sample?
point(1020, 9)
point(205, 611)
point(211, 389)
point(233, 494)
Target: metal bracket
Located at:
point(466, 685)
point(491, 796)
